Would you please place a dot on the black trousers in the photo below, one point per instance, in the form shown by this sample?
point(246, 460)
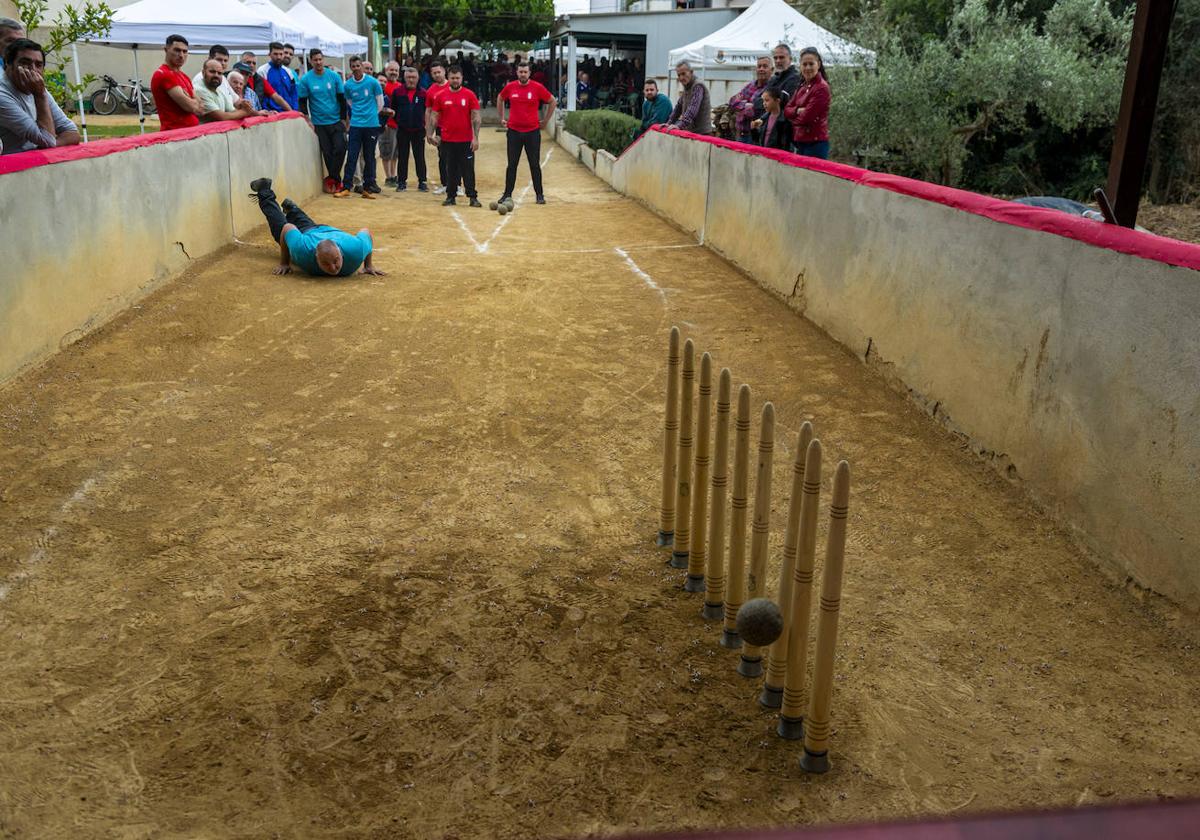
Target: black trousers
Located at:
point(332, 140)
point(276, 218)
point(531, 142)
point(460, 166)
point(443, 166)
point(413, 141)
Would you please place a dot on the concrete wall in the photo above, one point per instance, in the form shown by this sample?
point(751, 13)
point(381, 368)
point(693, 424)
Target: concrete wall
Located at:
point(1071, 367)
point(82, 240)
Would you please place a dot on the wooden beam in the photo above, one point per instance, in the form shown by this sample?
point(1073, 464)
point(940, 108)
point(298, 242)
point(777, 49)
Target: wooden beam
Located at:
point(1139, 100)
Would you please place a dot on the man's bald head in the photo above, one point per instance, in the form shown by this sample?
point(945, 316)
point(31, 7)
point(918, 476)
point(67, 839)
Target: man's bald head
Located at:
point(329, 257)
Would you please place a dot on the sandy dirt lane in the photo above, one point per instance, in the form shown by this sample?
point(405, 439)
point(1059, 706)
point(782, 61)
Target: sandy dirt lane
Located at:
point(373, 557)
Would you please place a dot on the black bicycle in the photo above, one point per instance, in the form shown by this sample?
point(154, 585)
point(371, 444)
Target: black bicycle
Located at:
point(106, 100)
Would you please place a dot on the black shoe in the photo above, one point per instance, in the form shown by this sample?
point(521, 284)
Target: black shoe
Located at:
point(449, 202)
point(475, 202)
point(358, 189)
point(288, 205)
point(389, 182)
point(504, 198)
point(541, 199)
point(401, 186)
point(373, 188)
point(423, 187)
point(258, 185)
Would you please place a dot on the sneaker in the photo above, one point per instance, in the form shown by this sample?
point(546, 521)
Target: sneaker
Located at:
point(368, 194)
point(449, 202)
point(373, 188)
point(541, 199)
point(423, 187)
point(288, 205)
point(342, 193)
point(475, 202)
point(330, 184)
point(504, 198)
point(438, 190)
point(389, 182)
point(358, 188)
point(258, 185)
point(401, 186)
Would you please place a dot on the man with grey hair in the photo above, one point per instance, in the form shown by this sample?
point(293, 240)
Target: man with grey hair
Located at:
point(787, 77)
point(10, 30)
point(692, 112)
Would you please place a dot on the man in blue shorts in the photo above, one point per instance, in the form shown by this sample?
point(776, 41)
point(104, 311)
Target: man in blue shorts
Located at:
point(318, 250)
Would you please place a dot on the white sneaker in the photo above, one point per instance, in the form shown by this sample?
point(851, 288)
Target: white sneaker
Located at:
point(438, 190)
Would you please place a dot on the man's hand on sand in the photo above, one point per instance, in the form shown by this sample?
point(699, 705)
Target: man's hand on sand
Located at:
point(376, 271)
point(283, 269)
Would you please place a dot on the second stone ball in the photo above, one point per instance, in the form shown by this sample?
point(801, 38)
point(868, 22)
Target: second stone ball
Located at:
point(759, 622)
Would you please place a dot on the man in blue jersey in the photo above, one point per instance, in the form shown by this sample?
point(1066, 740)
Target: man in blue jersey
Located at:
point(318, 250)
point(281, 80)
point(364, 96)
point(323, 101)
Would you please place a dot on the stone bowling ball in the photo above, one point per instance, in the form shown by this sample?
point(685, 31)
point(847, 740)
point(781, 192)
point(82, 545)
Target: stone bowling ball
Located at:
point(759, 622)
point(503, 209)
point(492, 206)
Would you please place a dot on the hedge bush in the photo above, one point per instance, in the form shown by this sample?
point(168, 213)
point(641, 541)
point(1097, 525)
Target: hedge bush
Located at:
point(608, 130)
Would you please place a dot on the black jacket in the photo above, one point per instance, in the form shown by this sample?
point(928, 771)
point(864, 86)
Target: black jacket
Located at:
point(786, 81)
point(410, 115)
point(780, 136)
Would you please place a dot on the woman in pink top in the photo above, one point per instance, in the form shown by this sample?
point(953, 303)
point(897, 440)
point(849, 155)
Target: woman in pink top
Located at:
point(808, 110)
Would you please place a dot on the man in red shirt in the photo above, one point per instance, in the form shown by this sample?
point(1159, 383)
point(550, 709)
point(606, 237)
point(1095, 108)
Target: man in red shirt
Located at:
point(456, 113)
point(437, 72)
point(387, 139)
point(172, 89)
point(524, 98)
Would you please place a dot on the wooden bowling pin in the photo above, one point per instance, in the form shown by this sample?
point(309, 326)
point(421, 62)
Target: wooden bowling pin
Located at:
point(756, 584)
point(697, 558)
point(772, 693)
point(791, 711)
point(735, 581)
point(666, 525)
point(816, 725)
point(683, 466)
point(714, 579)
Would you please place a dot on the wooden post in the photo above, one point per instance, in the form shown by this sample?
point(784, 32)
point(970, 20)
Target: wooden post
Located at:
point(1139, 101)
point(697, 558)
point(666, 527)
point(683, 467)
point(735, 592)
point(714, 581)
point(772, 693)
point(756, 585)
point(816, 726)
point(791, 712)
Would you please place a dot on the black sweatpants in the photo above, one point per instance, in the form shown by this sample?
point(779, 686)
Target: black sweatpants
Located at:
point(332, 140)
point(413, 141)
point(275, 215)
point(460, 166)
point(443, 166)
point(531, 142)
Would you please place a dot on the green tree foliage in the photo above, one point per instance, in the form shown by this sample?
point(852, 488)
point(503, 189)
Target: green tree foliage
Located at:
point(927, 106)
point(438, 22)
point(1175, 153)
point(73, 23)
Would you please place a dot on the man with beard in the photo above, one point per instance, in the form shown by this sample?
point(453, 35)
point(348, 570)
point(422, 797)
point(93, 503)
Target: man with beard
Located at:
point(217, 98)
point(29, 116)
point(456, 113)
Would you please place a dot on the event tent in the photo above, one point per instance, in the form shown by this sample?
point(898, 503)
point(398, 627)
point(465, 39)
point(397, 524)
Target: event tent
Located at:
point(293, 33)
point(147, 23)
point(337, 42)
point(737, 45)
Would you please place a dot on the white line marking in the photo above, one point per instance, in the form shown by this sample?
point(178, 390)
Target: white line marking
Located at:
point(516, 202)
point(646, 278)
point(38, 555)
point(478, 248)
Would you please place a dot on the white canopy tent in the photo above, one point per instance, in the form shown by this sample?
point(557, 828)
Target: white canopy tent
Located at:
point(729, 54)
point(147, 23)
point(336, 41)
point(291, 31)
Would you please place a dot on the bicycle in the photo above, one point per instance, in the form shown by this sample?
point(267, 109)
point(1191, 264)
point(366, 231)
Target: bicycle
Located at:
point(106, 100)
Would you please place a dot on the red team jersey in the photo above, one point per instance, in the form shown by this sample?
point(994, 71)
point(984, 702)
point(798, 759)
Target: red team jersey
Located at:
point(523, 102)
point(388, 90)
point(454, 109)
point(170, 115)
point(434, 92)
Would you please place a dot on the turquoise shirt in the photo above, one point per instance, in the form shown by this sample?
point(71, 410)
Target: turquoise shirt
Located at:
point(322, 90)
point(364, 112)
point(302, 248)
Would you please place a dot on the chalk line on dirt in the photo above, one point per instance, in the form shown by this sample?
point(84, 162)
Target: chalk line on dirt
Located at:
point(645, 278)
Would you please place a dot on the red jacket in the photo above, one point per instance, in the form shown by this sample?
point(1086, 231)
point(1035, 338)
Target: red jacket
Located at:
point(813, 125)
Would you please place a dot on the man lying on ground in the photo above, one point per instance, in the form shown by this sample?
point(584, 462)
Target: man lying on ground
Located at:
point(319, 250)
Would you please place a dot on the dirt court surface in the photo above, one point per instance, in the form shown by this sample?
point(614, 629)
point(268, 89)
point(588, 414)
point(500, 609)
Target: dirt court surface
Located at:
point(374, 558)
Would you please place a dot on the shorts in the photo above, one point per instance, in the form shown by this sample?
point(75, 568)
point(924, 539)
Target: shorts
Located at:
point(387, 144)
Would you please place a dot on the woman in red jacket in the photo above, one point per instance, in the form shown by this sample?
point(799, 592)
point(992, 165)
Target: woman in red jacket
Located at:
point(808, 109)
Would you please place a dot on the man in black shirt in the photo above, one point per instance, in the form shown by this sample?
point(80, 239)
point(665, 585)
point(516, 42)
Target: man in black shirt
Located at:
point(787, 77)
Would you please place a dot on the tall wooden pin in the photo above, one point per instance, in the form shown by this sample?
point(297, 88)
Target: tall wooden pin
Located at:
point(666, 526)
point(791, 712)
point(735, 594)
point(714, 581)
point(756, 585)
point(697, 558)
point(772, 693)
point(683, 467)
point(816, 726)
